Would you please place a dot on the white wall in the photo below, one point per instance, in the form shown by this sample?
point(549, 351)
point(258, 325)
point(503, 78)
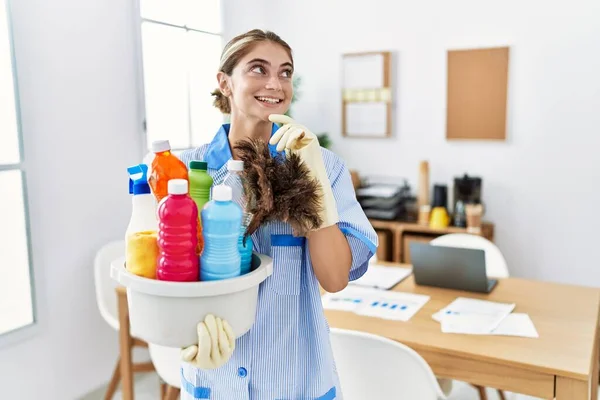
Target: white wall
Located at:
point(79, 112)
point(240, 16)
point(539, 186)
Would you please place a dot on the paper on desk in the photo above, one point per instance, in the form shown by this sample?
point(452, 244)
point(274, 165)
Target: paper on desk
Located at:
point(375, 302)
point(516, 324)
point(382, 277)
point(469, 324)
point(346, 300)
point(397, 306)
point(472, 316)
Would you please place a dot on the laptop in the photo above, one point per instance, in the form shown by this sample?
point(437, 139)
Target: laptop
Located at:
point(450, 267)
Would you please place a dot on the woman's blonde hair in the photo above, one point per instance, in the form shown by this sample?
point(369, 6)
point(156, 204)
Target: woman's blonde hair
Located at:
point(235, 50)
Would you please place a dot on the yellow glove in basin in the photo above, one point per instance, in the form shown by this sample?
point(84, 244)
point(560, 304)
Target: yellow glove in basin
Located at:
point(296, 138)
point(216, 343)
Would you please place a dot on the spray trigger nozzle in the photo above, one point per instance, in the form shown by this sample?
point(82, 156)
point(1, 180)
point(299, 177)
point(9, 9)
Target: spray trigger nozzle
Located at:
point(138, 179)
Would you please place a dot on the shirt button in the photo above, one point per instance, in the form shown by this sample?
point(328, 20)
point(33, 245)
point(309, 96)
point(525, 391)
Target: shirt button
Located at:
point(242, 372)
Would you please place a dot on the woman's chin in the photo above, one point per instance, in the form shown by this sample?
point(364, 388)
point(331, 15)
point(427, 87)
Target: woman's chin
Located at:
point(264, 115)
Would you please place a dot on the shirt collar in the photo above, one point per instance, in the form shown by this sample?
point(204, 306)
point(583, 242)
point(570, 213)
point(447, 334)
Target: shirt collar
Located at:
point(219, 152)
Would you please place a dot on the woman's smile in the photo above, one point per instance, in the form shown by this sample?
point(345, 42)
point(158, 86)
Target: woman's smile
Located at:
point(269, 101)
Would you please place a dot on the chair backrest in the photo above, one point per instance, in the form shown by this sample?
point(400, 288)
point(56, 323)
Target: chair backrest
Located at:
point(374, 367)
point(167, 363)
point(106, 296)
point(495, 264)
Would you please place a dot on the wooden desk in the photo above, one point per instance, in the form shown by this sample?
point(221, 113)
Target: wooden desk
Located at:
point(561, 363)
point(405, 232)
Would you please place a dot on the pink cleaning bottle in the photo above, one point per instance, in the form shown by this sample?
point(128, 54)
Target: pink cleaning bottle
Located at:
point(177, 235)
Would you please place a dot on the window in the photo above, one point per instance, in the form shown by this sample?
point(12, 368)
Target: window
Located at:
point(16, 302)
point(181, 45)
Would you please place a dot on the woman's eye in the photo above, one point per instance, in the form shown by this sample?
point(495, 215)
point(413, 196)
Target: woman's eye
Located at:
point(258, 69)
point(287, 73)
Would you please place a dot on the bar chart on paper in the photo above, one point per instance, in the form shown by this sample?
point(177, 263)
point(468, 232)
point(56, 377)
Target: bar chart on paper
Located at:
point(375, 303)
point(348, 299)
point(393, 305)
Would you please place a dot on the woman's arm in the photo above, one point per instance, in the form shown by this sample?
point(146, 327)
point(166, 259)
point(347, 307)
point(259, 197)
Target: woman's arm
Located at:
point(331, 257)
point(341, 248)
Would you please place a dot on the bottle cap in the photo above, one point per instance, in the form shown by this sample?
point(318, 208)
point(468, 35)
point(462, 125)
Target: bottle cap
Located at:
point(201, 165)
point(138, 179)
point(158, 146)
point(177, 186)
point(221, 193)
point(235, 165)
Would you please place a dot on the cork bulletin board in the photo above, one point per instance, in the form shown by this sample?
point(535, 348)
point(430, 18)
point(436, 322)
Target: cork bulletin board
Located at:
point(477, 94)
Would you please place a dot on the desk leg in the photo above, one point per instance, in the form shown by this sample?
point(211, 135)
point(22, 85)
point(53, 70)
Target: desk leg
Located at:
point(596, 363)
point(571, 389)
point(595, 368)
point(125, 348)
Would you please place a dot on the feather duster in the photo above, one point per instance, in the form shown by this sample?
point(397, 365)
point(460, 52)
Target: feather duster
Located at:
point(278, 188)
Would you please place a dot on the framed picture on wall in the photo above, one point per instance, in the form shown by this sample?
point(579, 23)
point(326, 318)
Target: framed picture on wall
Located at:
point(367, 95)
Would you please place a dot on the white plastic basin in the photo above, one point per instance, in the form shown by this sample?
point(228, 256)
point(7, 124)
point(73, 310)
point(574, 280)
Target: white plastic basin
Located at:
point(166, 313)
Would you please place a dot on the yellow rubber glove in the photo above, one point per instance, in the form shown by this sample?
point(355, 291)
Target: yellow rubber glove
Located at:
point(297, 139)
point(216, 343)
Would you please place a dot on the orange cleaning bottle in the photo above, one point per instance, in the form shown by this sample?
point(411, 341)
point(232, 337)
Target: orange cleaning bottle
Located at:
point(165, 166)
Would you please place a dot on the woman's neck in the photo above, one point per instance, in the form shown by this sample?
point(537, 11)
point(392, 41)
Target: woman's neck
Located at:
point(245, 128)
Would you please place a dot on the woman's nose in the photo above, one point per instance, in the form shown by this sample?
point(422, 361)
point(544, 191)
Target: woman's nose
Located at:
point(273, 83)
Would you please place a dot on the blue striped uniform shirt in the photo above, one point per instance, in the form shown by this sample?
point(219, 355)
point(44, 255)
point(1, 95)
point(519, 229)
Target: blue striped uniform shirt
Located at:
point(287, 353)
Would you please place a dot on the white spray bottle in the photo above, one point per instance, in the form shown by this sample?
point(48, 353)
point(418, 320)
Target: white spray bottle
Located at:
point(141, 249)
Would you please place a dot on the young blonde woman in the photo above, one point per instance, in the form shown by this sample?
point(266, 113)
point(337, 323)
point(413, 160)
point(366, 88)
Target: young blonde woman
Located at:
point(287, 353)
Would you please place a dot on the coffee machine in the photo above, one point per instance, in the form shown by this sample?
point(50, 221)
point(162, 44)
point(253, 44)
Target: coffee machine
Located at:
point(467, 190)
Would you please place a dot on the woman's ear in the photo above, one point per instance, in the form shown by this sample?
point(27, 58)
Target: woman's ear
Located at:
point(223, 80)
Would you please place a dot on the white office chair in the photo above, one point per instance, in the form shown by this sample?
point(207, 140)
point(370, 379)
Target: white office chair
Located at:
point(106, 298)
point(105, 285)
point(495, 264)
point(167, 362)
point(373, 367)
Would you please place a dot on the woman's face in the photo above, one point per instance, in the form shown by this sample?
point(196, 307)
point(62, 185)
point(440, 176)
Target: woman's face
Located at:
point(261, 83)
